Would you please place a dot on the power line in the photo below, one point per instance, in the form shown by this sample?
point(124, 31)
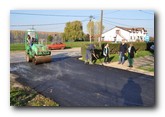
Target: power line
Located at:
point(146, 12)
point(116, 23)
point(119, 23)
point(126, 18)
point(24, 25)
point(112, 12)
point(108, 13)
point(49, 15)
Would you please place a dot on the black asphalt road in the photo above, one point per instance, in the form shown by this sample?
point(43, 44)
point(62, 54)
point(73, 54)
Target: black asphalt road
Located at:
point(70, 82)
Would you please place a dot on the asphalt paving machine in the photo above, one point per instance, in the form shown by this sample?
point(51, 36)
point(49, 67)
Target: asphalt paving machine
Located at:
point(35, 52)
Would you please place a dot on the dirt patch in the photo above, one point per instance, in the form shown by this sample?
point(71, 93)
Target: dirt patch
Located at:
point(13, 82)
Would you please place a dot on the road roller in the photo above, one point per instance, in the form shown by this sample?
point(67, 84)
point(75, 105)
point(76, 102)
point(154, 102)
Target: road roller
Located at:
point(35, 52)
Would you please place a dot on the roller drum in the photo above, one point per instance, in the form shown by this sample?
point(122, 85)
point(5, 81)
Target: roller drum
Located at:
point(41, 59)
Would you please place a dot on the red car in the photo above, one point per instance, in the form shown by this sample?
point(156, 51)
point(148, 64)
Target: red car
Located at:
point(56, 46)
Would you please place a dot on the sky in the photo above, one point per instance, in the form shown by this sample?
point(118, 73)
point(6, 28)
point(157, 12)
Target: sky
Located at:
point(54, 20)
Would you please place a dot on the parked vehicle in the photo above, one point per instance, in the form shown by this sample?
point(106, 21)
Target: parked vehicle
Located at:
point(56, 46)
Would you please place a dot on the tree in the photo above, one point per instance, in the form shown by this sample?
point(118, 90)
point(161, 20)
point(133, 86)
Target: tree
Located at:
point(90, 29)
point(97, 29)
point(86, 37)
point(50, 38)
point(73, 31)
point(94, 29)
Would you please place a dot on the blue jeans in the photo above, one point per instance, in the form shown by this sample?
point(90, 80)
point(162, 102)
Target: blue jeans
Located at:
point(88, 56)
point(121, 58)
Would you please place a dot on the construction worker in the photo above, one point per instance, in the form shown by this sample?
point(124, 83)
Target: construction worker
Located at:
point(89, 53)
point(29, 40)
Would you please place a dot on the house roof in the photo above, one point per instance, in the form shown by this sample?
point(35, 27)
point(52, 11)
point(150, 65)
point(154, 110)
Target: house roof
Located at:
point(129, 29)
point(132, 29)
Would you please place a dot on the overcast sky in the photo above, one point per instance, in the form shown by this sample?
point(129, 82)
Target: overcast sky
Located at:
point(54, 20)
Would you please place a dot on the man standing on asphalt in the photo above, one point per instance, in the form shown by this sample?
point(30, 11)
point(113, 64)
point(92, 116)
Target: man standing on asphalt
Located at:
point(122, 51)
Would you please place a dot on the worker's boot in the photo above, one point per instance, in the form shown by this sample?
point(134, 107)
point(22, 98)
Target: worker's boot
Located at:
point(90, 62)
point(85, 62)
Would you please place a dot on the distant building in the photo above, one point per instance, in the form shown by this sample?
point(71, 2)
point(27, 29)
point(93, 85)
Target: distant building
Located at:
point(117, 33)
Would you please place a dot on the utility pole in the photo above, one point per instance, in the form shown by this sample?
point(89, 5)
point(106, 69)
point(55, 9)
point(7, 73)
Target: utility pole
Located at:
point(101, 26)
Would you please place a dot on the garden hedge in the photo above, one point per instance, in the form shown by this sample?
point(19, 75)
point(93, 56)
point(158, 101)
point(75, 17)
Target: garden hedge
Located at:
point(114, 47)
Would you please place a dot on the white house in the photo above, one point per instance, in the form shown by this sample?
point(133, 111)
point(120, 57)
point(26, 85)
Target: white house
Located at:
point(117, 33)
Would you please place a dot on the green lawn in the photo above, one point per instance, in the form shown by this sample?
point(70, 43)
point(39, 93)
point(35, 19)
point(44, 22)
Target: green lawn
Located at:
point(147, 68)
point(115, 57)
point(17, 47)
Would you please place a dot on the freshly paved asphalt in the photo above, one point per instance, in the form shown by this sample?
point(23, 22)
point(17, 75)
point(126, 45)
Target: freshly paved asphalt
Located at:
point(70, 82)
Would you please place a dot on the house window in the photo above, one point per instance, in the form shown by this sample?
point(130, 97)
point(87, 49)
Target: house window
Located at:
point(114, 39)
point(117, 32)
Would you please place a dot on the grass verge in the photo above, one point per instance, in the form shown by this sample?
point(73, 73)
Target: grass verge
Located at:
point(28, 97)
point(147, 68)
